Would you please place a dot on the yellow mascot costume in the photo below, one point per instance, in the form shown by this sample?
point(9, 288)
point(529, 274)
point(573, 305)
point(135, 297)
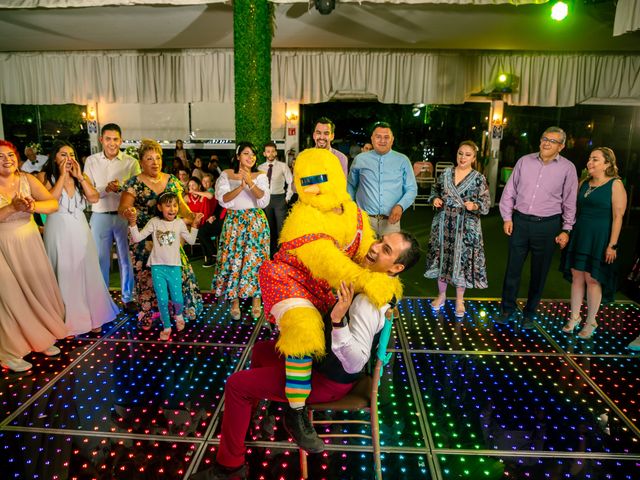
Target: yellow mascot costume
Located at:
point(322, 242)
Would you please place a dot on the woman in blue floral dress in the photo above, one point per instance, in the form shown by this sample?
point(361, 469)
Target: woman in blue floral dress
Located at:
point(244, 240)
point(141, 192)
point(456, 250)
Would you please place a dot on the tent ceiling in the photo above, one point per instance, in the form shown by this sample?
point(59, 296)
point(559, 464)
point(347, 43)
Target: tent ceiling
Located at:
point(366, 25)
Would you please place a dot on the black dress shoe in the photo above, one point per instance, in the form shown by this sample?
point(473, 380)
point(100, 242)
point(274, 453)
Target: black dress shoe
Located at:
point(504, 318)
point(528, 323)
point(218, 472)
point(131, 307)
point(298, 425)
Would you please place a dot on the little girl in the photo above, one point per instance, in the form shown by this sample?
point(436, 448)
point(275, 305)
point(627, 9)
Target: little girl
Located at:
point(166, 230)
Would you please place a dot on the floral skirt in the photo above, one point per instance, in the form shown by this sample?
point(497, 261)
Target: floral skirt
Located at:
point(243, 247)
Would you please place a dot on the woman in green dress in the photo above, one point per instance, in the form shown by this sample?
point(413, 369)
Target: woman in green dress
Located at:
point(141, 192)
point(589, 260)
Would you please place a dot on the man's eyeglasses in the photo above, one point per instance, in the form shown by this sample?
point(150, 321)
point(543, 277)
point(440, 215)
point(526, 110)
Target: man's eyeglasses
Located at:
point(551, 140)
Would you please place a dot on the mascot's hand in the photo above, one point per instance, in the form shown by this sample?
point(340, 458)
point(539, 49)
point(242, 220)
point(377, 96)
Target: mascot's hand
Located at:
point(380, 288)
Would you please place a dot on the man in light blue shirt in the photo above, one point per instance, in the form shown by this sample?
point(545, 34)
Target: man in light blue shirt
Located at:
point(382, 183)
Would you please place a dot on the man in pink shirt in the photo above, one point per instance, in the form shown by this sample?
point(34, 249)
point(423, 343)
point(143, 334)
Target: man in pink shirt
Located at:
point(538, 207)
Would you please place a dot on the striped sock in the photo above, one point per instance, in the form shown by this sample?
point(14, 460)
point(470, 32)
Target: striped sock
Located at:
point(298, 380)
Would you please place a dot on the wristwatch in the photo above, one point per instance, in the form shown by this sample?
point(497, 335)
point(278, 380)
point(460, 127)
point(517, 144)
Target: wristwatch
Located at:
point(614, 247)
point(341, 324)
point(568, 232)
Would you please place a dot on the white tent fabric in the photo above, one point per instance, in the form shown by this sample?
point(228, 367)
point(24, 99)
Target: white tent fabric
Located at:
point(309, 76)
point(627, 17)
point(103, 3)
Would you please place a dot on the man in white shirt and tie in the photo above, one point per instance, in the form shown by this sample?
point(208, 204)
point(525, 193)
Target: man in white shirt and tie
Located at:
point(109, 170)
point(280, 182)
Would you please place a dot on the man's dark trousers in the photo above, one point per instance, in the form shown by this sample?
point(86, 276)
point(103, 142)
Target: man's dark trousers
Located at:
point(530, 234)
point(276, 211)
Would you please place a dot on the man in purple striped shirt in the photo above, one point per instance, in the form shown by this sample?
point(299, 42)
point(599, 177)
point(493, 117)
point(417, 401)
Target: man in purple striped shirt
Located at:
point(538, 207)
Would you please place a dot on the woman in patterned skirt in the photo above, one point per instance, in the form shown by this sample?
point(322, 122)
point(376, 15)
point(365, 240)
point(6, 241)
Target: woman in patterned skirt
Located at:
point(142, 192)
point(244, 241)
point(456, 250)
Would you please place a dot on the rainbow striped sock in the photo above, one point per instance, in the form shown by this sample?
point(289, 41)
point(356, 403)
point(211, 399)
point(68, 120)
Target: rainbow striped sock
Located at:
point(298, 380)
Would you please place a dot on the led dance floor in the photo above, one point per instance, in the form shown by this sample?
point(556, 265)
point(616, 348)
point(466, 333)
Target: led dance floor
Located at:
point(461, 398)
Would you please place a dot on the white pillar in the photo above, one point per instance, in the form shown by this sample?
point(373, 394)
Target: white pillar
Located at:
point(495, 135)
point(292, 128)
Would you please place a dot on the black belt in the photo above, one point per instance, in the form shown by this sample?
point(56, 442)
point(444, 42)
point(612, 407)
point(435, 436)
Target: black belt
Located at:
point(109, 213)
point(534, 218)
point(380, 217)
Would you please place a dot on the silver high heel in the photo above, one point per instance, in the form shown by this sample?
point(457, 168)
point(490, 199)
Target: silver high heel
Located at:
point(572, 324)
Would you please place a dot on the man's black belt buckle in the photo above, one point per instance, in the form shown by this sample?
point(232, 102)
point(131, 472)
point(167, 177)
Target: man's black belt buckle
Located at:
point(534, 218)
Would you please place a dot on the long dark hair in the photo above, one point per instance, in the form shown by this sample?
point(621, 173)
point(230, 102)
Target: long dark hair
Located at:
point(241, 146)
point(51, 169)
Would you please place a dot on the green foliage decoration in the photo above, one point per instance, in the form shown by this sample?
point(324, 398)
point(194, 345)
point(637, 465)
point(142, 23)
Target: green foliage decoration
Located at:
point(252, 33)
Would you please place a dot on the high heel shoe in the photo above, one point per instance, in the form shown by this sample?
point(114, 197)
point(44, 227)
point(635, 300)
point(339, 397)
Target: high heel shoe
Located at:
point(234, 310)
point(435, 305)
point(256, 309)
point(572, 324)
point(460, 310)
point(588, 331)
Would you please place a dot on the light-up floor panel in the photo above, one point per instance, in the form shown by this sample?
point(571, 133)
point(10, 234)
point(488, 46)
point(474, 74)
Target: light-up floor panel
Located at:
point(28, 455)
point(619, 378)
point(617, 325)
point(17, 388)
point(474, 467)
point(515, 403)
point(280, 462)
point(476, 331)
point(163, 389)
point(213, 325)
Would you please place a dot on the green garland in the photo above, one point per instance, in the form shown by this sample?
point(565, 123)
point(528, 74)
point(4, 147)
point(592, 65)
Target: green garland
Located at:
point(252, 33)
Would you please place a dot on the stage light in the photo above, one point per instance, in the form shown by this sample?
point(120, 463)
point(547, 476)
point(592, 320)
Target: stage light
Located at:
point(559, 11)
point(325, 7)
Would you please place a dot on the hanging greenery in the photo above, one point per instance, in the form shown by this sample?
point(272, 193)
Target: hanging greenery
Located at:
point(252, 33)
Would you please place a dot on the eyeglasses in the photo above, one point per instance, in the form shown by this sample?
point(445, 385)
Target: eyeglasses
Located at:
point(551, 140)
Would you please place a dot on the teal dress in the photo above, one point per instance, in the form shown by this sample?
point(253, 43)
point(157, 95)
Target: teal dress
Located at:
point(590, 238)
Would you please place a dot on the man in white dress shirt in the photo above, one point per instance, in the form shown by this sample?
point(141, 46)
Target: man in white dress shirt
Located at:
point(109, 170)
point(280, 182)
point(34, 161)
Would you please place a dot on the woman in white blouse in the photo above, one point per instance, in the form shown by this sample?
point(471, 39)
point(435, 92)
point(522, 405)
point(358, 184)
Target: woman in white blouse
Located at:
point(244, 240)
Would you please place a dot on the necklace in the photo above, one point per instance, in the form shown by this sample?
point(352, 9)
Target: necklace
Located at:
point(153, 180)
point(591, 188)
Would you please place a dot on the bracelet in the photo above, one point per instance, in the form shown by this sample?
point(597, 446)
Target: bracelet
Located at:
point(342, 323)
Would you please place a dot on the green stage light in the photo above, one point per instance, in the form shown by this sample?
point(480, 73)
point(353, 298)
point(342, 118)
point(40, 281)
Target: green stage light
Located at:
point(559, 11)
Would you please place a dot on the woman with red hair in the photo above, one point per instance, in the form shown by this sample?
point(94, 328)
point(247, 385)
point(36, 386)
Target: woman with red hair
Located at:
point(31, 307)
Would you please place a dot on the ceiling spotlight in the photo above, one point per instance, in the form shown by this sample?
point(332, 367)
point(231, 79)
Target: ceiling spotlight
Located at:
point(559, 11)
point(415, 111)
point(325, 7)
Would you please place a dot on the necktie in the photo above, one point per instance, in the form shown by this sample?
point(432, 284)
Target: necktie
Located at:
point(269, 172)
